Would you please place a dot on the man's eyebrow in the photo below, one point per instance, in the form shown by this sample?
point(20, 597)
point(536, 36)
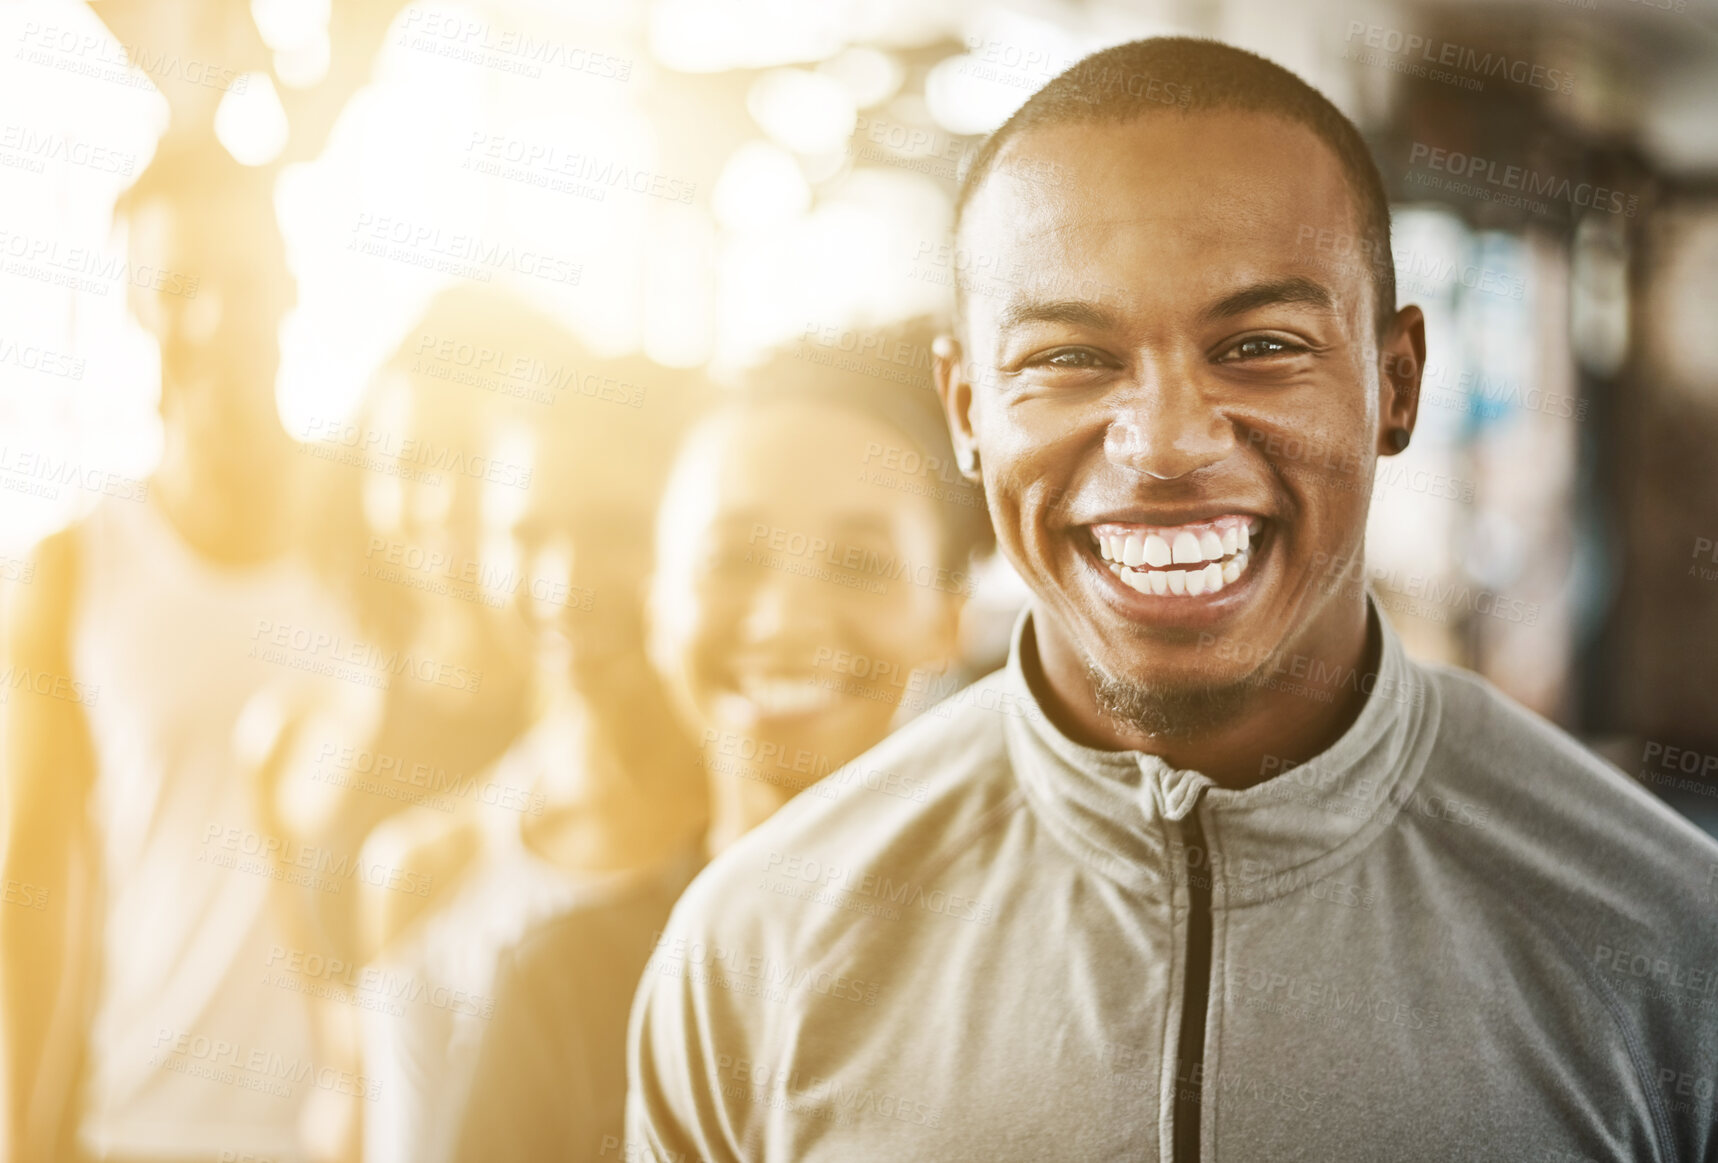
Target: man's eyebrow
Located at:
point(1076, 312)
point(1295, 290)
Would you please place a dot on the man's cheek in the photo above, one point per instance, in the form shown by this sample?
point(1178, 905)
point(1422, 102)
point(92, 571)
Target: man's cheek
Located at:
point(1016, 531)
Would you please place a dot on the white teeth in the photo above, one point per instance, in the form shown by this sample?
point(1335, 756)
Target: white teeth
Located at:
point(1209, 579)
point(1183, 547)
point(1218, 554)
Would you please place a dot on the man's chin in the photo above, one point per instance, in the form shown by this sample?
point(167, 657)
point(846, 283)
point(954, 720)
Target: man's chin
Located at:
point(1170, 707)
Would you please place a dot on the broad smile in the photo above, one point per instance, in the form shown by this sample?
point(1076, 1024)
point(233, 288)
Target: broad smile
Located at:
point(1192, 572)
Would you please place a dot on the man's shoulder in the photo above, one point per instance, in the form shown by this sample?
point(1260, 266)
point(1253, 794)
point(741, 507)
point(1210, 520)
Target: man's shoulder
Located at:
point(1556, 818)
point(947, 759)
point(903, 809)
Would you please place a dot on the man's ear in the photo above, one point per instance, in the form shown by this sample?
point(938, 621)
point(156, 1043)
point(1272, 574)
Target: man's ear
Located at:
point(1401, 362)
point(955, 390)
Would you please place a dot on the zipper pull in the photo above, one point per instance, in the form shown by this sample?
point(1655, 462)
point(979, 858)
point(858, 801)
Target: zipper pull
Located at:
point(1168, 793)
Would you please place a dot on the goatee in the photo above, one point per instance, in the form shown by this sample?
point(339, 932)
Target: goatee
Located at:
point(1167, 712)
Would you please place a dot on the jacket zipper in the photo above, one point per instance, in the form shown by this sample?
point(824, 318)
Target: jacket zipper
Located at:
point(1196, 994)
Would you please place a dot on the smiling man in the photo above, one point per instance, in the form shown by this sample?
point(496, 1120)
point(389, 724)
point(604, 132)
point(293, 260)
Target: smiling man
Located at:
point(1210, 869)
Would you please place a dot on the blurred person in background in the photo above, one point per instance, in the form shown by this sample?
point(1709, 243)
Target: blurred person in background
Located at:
point(598, 780)
point(422, 490)
point(758, 646)
point(131, 1000)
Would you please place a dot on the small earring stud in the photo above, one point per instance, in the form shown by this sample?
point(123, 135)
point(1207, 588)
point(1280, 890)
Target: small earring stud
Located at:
point(1398, 439)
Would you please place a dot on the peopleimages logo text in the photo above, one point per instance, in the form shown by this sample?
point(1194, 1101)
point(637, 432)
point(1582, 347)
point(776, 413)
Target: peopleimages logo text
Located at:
point(1472, 167)
point(1449, 55)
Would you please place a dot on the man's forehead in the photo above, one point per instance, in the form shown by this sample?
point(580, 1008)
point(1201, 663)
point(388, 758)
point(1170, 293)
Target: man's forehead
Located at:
point(1208, 202)
point(1212, 172)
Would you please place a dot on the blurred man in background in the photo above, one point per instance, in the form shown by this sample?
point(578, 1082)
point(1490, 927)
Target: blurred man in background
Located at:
point(758, 645)
point(131, 1002)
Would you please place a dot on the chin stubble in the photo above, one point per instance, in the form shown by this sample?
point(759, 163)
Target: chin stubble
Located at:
point(1165, 711)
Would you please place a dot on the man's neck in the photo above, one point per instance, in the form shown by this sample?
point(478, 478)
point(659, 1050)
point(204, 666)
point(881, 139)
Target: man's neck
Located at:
point(1286, 716)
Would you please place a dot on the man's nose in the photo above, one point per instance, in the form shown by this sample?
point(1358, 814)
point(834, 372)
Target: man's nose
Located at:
point(1165, 426)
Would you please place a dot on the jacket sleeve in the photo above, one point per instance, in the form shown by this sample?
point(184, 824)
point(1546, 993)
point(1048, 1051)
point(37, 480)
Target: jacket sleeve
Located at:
point(675, 1109)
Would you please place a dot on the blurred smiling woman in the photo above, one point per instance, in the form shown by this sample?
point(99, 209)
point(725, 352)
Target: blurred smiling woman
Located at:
point(802, 589)
point(795, 615)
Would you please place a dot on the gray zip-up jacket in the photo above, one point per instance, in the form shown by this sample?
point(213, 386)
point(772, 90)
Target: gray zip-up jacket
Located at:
point(1454, 935)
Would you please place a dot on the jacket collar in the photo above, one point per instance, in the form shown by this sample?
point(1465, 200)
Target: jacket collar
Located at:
point(1120, 810)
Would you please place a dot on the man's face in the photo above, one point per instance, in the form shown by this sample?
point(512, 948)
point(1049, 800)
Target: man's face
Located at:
point(780, 610)
point(1176, 400)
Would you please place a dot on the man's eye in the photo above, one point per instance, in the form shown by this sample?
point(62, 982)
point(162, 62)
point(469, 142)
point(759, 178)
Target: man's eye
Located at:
point(1074, 358)
point(1261, 346)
